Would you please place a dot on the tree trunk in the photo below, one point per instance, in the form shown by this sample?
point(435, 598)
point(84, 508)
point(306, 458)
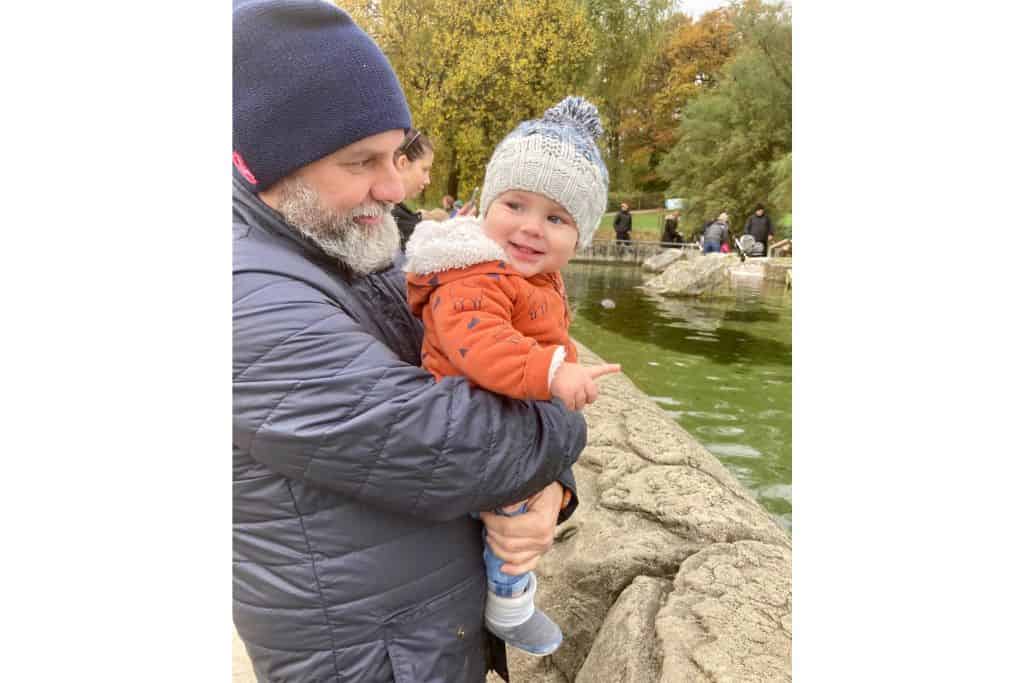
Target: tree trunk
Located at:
point(452, 186)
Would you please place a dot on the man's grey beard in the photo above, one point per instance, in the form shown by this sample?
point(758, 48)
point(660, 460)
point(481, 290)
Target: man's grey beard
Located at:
point(363, 249)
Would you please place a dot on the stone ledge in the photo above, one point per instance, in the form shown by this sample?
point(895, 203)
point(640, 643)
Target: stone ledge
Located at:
point(657, 509)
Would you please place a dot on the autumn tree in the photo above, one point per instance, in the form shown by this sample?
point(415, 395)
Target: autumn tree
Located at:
point(472, 70)
point(735, 139)
point(688, 59)
point(626, 34)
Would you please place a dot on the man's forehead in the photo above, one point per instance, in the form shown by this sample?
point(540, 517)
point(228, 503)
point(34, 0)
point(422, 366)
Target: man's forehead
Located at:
point(381, 143)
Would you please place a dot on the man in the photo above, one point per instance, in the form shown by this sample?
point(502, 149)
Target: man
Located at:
point(759, 226)
point(355, 473)
point(623, 224)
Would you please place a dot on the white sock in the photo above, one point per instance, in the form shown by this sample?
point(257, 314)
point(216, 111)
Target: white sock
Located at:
point(505, 612)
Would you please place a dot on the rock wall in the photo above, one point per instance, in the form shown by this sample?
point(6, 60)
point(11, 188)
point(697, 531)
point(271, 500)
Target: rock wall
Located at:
point(669, 570)
point(609, 251)
point(718, 275)
point(663, 259)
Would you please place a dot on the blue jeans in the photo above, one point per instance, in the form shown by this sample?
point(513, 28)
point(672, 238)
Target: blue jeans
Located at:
point(498, 582)
point(712, 247)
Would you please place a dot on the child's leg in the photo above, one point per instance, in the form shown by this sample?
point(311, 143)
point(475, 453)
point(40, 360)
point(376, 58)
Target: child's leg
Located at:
point(509, 612)
point(498, 582)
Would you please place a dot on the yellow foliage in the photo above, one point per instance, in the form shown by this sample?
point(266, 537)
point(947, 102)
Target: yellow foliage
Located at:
point(689, 58)
point(473, 69)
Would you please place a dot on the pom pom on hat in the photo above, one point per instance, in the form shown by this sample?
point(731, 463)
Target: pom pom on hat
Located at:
point(576, 111)
point(556, 156)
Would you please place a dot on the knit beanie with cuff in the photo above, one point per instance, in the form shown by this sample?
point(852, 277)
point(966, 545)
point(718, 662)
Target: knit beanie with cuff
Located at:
point(555, 156)
point(307, 82)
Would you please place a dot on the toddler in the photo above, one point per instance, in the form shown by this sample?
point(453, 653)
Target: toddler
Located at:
point(493, 303)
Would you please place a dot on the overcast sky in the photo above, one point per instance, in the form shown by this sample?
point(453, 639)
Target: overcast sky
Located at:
point(695, 8)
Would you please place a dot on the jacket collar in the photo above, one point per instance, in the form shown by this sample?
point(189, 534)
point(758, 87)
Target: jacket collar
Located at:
point(455, 243)
point(249, 209)
point(402, 208)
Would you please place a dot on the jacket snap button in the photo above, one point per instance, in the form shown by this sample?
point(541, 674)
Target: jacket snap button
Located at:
point(460, 633)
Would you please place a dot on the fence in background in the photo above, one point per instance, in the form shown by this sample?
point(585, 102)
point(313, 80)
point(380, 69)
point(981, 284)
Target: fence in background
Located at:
point(635, 252)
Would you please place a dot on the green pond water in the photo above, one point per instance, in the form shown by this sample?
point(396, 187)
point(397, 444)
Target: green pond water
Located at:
point(722, 367)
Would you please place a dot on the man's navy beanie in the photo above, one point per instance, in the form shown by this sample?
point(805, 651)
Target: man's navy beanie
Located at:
point(307, 82)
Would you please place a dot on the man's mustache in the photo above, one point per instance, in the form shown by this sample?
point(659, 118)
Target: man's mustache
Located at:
point(371, 210)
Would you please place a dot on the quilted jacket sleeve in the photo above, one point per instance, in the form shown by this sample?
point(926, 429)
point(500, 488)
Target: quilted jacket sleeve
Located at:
point(318, 398)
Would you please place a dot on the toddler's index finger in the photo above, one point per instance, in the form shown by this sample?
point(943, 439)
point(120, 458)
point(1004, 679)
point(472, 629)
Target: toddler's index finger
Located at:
point(596, 371)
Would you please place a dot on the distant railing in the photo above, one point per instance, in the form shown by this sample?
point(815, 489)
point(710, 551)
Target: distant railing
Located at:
point(633, 251)
point(781, 245)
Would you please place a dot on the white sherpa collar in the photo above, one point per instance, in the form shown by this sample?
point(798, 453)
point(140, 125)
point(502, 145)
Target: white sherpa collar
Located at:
point(455, 243)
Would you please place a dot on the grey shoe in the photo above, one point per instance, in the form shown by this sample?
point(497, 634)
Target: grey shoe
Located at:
point(503, 617)
point(538, 635)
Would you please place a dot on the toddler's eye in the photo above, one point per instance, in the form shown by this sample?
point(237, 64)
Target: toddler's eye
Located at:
point(512, 204)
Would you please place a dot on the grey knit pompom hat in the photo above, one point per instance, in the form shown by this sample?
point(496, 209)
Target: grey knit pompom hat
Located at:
point(556, 156)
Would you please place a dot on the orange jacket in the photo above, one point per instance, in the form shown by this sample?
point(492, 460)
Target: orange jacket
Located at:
point(485, 321)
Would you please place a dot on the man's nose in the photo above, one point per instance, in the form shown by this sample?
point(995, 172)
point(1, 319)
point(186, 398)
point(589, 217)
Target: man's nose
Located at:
point(388, 186)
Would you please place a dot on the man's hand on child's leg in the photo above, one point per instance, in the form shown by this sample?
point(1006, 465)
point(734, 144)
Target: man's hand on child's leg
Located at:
point(515, 507)
point(521, 540)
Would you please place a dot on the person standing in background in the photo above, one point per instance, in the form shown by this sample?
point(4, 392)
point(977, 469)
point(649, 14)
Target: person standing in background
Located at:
point(413, 160)
point(670, 236)
point(759, 226)
point(623, 224)
point(716, 234)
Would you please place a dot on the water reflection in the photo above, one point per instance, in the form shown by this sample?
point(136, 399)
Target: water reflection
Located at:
point(676, 323)
point(720, 367)
point(733, 450)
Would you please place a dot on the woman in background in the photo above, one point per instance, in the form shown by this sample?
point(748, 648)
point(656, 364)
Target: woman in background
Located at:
point(413, 159)
point(670, 237)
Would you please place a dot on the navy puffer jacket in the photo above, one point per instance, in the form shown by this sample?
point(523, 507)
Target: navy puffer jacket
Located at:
point(354, 473)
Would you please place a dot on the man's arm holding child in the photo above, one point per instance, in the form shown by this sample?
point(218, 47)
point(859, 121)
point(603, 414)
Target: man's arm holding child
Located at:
point(373, 427)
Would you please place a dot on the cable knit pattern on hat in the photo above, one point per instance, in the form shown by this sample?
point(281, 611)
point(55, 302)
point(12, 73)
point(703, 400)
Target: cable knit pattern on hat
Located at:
point(556, 156)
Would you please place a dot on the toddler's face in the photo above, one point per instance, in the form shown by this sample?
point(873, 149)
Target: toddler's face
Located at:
point(536, 233)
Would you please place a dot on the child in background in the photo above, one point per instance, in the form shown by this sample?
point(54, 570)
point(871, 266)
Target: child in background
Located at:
point(494, 307)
